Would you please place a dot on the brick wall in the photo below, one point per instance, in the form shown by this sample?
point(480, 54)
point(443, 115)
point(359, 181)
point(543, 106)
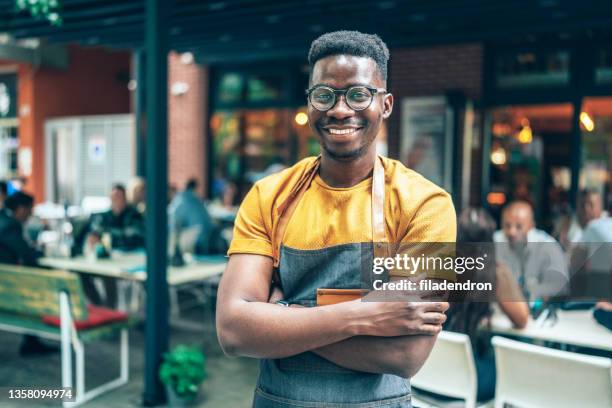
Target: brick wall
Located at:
point(433, 71)
point(187, 128)
point(95, 83)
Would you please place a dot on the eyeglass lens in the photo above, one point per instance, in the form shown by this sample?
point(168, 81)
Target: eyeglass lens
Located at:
point(357, 98)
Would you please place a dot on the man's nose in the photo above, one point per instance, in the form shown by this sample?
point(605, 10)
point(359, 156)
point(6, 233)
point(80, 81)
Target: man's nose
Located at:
point(340, 110)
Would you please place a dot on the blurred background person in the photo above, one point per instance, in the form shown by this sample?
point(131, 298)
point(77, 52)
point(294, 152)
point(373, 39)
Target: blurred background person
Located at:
point(121, 227)
point(469, 312)
point(188, 212)
point(571, 228)
point(136, 194)
point(122, 222)
point(16, 250)
point(535, 258)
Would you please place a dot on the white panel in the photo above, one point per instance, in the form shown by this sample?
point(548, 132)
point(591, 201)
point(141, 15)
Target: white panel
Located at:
point(121, 152)
point(94, 158)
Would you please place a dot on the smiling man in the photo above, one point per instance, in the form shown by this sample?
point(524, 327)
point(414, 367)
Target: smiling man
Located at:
point(303, 229)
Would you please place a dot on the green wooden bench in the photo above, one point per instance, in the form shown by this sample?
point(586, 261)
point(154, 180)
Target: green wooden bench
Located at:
point(27, 294)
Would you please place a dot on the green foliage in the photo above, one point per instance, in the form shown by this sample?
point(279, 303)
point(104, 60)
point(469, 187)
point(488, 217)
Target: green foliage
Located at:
point(183, 370)
point(39, 9)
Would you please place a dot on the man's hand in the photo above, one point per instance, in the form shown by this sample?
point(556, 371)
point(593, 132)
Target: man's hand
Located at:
point(393, 318)
point(399, 318)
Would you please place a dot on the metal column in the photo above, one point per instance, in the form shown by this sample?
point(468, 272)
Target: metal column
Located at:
point(156, 324)
point(140, 123)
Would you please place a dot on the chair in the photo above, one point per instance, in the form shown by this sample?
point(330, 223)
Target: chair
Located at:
point(449, 371)
point(535, 376)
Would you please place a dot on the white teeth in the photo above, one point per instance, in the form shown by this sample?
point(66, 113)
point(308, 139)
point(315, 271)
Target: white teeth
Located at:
point(341, 131)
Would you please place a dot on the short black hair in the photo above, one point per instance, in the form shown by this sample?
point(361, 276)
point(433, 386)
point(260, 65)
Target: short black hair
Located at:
point(119, 186)
point(191, 184)
point(350, 43)
point(18, 199)
point(3, 187)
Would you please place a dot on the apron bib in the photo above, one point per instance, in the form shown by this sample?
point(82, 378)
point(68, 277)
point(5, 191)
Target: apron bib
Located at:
point(307, 380)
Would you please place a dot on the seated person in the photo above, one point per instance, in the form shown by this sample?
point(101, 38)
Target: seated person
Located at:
point(15, 250)
point(467, 315)
point(125, 226)
point(590, 207)
point(123, 222)
point(188, 211)
point(535, 259)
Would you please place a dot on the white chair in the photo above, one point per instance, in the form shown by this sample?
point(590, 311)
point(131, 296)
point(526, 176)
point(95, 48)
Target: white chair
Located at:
point(449, 371)
point(535, 376)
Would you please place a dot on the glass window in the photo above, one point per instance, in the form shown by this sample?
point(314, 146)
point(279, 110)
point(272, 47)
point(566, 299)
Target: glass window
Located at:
point(231, 88)
point(530, 159)
point(596, 125)
point(262, 87)
point(253, 143)
point(532, 68)
point(603, 67)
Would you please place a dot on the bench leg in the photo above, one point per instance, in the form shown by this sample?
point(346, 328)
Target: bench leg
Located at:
point(83, 396)
point(65, 330)
point(70, 340)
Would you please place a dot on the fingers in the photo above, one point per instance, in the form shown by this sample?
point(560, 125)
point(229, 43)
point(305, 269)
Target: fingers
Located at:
point(430, 329)
point(440, 307)
point(434, 318)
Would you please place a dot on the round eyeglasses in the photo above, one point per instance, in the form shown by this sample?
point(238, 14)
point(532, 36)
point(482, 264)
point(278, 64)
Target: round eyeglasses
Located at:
point(358, 97)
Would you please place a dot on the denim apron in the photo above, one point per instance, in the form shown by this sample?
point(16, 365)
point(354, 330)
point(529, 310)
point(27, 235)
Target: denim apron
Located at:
point(307, 380)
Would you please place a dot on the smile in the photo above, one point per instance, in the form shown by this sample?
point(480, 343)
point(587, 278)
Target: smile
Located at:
point(342, 131)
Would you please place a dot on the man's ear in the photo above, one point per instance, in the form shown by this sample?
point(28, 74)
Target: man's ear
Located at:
point(387, 105)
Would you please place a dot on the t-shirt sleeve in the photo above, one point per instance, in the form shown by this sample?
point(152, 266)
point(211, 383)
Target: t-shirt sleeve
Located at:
point(432, 233)
point(250, 232)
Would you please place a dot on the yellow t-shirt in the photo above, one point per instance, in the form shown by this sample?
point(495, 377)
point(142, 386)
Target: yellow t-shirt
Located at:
point(416, 210)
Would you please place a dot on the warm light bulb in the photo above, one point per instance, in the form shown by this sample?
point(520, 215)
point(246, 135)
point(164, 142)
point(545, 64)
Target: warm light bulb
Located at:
point(525, 136)
point(498, 156)
point(587, 122)
point(301, 118)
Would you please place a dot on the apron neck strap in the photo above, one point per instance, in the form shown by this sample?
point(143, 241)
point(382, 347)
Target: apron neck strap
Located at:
point(286, 208)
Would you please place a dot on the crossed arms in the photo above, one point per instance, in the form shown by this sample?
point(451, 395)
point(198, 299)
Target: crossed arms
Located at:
point(377, 337)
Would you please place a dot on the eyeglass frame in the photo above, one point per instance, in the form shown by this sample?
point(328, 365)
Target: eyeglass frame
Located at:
point(342, 92)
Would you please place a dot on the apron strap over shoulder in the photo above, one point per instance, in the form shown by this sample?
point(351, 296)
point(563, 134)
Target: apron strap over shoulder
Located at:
point(286, 208)
point(379, 236)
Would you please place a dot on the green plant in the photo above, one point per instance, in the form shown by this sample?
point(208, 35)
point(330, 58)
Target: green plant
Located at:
point(183, 369)
point(48, 9)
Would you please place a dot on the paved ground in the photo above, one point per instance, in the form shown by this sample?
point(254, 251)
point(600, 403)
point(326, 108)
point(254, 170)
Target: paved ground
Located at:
point(229, 383)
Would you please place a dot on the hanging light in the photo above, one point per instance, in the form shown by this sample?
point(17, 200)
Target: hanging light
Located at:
point(525, 135)
point(498, 156)
point(301, 118)
point(587, 122)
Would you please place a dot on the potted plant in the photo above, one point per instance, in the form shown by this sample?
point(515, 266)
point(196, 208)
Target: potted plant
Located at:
point(182, 372)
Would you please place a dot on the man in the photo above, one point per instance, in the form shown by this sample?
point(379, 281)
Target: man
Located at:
point(125, 227)
point(123, 222)
point(306, 224)
point(590, 207)
point(15, 250)
point(535, 258)
point(187, 211)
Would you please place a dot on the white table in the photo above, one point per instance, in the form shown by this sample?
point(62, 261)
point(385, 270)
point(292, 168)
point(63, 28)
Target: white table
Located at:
point(575, 327)
point(132, 267)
